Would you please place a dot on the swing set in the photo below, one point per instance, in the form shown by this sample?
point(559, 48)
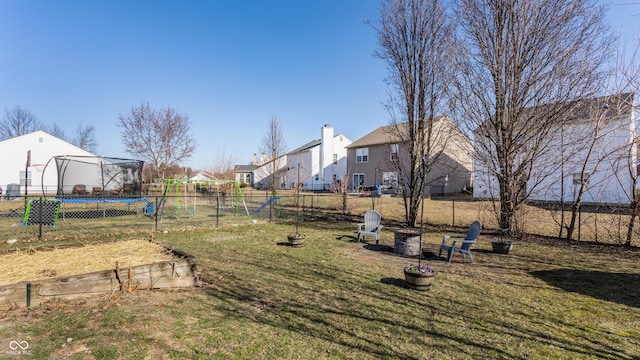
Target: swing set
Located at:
point(176, 183)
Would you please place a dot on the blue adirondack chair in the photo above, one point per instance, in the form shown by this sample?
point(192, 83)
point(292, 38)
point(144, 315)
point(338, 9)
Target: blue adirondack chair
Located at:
point(462, 243)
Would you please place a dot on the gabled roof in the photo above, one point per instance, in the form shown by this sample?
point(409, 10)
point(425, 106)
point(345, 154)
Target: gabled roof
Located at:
point(383, 135)
point(47, 145)
point(305, 147)
point(608, 106)
point(602, 107)
point(244, 168)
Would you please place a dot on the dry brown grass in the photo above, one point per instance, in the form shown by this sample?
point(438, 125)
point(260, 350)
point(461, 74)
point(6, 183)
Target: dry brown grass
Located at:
point(31, 265)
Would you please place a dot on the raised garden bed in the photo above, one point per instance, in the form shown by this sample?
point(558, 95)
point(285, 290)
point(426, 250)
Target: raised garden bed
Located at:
point(35, 275)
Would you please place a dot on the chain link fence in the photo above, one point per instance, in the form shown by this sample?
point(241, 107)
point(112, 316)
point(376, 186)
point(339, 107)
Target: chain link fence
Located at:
point(81, 217)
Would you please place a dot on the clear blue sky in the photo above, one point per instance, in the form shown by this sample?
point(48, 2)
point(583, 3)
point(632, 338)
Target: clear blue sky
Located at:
point(228, 65)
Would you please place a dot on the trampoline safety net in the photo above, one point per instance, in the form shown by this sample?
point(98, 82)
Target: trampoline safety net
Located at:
point(98, 176)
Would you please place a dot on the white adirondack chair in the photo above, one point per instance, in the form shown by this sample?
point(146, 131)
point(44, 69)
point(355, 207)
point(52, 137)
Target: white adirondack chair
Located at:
point(371, 225)
point(465, 242)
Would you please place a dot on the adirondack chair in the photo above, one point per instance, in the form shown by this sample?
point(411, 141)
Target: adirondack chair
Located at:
point(371, 225)
point(465, 242)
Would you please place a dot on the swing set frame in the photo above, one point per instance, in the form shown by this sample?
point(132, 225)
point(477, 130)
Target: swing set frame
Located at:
point(175, 184)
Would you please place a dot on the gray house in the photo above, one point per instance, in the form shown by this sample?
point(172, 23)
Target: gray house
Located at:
point(372, 159)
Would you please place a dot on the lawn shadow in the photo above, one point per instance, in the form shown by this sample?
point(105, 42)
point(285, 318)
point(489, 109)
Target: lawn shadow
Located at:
point(620, 288)
point(395, 282)
point(347, 238)
point(381, 248)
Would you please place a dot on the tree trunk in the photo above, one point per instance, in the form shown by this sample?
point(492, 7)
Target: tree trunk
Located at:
point(632, 220)
point(575, 208)
point(344, 202)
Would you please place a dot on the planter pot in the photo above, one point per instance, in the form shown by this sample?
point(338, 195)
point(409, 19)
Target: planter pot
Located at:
point(417, 281)
point(296, 240)
point(501, 247)
point(406, 242)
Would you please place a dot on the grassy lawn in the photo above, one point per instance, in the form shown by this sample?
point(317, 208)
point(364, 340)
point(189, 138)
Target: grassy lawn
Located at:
point(335, 298)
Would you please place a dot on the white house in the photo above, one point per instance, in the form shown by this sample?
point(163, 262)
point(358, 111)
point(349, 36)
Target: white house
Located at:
point(601, 129)
point(28, 154)
point(268, 168)
point(318, 164)
point(244, 174)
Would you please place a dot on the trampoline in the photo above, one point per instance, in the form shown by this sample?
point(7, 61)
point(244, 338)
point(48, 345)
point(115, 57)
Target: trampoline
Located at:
point(98, 200)
point(98, 177)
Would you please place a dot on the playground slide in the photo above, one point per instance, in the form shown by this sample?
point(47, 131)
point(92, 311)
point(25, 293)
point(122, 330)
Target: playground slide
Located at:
point(271, 199)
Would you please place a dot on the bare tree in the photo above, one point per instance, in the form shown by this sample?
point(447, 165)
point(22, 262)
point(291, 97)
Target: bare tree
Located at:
point(590, 149)
point(626, 78)
point(273, 168)
point(514, 57)
point(85, 138)
point(18, 121)
point(160, 137)
point(341, 186)
point(223, 164)
point(55, 130)
point(414, 39)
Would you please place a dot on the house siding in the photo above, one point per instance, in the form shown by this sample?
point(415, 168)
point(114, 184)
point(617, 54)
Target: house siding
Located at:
point(451, 173)
point(612, 164)
point(43, 148)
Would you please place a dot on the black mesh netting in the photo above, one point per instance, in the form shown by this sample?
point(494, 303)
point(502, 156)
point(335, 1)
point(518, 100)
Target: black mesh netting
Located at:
point(98, 176)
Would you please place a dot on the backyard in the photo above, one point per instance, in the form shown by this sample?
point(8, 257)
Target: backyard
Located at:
point(336, 298)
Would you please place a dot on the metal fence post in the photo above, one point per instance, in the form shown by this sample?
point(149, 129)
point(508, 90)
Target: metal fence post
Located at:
point(156, 213)
point(40, 219)
point(453, 211)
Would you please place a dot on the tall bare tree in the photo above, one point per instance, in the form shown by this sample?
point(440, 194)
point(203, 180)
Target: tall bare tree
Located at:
point(590, 147)
point(161, 137)
point(515, 56)
point(85, 138)
point(18, 121)
point(55, 130)
point(626, 78)
point(274, 147)
point(223, 164)
point(414, 38)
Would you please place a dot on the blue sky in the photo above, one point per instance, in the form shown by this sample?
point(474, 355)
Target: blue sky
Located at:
point(228, 65)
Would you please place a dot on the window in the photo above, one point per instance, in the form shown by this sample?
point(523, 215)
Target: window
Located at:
point(362, 155)
point(577, 178)
point(27, 180)
point(390, 179)
point(335, 159)
point(393, 152)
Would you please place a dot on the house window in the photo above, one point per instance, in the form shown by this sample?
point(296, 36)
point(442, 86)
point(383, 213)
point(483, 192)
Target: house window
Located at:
point(362, 155)
point(390, 179)
point(393, 152)
point(577, 178)
point(335, 159)
point(27, 180)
